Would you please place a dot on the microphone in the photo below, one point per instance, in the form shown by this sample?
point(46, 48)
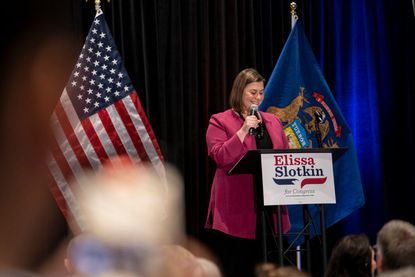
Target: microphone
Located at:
point(253, 110)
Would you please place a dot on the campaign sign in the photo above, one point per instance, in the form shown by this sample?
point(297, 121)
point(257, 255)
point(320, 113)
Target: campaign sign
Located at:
point(297, 178)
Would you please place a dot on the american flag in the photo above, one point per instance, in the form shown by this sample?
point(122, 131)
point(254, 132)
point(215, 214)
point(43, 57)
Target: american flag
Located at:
point(98, 116)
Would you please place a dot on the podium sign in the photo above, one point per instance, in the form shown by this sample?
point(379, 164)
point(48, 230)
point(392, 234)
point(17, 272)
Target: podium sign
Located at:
point(297, 178)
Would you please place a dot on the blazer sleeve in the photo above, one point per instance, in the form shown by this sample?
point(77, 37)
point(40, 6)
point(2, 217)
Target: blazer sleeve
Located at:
point(224, 146)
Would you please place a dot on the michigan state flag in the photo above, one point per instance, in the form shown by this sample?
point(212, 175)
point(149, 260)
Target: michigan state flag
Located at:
point(299, 96)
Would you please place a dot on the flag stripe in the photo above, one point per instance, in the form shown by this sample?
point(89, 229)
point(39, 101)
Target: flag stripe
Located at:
point(57, 194)
point(122, 109)
point(71, 137)
point(67, 158)
point(111, 132)
point(143, 128)
point(122, 133)
point(74, 123)
point(94, 139)
point(61, 202)
point(146, 133)
point(103, 135)
point(66, 192)
point(62, 162)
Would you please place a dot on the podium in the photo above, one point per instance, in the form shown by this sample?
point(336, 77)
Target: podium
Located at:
point(288, 166)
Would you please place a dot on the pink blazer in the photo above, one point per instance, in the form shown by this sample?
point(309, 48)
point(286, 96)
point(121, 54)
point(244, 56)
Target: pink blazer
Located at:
point(231, 207)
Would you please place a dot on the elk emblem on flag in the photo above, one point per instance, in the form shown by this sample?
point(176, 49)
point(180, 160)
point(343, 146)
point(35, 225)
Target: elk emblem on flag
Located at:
point(98, 116)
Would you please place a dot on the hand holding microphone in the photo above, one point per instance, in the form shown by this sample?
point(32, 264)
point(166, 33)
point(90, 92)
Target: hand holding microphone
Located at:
point(253, 110)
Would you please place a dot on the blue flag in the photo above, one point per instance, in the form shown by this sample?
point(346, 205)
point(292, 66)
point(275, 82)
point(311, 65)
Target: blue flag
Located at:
point(298, 95)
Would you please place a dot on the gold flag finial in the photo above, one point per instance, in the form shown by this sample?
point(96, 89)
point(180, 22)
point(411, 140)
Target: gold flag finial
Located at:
point(293, 7)
point(294, 16)
point(97, 4)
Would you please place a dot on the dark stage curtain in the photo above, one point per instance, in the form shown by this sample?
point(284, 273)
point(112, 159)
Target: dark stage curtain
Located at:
point(183, 55)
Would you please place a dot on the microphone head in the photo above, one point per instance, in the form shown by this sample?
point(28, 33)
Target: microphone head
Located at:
point(253, 108)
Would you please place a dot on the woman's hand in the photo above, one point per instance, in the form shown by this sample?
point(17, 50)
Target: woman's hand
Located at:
point(251, 121)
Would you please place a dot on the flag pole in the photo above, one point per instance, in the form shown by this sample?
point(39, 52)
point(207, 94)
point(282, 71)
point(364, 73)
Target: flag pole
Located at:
point(306, 214)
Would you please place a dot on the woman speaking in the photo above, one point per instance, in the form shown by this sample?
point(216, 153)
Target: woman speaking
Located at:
point(232, 212)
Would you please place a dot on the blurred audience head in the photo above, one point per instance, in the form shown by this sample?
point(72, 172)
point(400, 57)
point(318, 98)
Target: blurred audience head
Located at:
point(206, 268)
point(395, 245)
point(402, 272)
point(352, 256)
point(133, 225)
point(129, 203)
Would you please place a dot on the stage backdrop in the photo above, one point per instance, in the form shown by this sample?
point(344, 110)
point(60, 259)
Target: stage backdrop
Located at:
point(182, 57)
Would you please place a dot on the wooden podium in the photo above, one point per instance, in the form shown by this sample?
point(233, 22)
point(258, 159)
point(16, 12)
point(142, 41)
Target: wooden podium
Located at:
point(255, 162)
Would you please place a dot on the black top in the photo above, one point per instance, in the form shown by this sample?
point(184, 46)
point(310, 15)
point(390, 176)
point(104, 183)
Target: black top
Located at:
point(263, 140)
